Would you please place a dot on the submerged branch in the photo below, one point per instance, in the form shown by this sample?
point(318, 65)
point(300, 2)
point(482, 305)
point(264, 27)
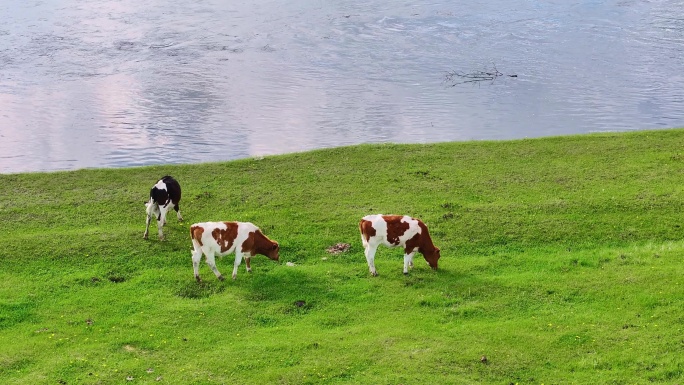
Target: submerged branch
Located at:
point(455, 78)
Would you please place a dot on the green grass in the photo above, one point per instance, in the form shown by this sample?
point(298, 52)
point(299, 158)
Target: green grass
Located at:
point(561, 263)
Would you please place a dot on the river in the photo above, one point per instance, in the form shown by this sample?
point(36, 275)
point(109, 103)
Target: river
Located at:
point(93, 83)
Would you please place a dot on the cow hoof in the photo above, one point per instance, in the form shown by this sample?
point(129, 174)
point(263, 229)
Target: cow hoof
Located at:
point(145, 236)
point(234, 277)
point(374, 274)
point(198, 279)
point(220, 278)
point(406, 273)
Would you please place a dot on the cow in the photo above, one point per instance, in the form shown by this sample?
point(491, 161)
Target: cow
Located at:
point(397, 230)
point(164, 195)
point(223, 238)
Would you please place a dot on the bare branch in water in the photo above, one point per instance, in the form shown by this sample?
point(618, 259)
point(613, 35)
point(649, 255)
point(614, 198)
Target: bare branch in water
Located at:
point(455, 78)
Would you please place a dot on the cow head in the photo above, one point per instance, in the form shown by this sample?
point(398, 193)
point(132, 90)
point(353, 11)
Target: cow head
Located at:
point(432, 258)
point(273, 252)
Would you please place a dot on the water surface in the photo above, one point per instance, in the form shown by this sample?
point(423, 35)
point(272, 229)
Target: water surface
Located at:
point(93, 83)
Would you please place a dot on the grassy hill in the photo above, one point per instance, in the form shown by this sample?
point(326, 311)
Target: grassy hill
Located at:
point(562, 263)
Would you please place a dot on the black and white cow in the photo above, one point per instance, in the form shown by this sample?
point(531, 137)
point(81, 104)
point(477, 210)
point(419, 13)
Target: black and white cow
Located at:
point(164, 195)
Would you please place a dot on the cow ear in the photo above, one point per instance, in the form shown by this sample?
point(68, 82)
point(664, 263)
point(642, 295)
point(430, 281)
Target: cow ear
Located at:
point(275, 245)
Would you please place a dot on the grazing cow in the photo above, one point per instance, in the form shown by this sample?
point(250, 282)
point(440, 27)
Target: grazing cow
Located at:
point(163, 196)
point(223, 238)
point(393, 231)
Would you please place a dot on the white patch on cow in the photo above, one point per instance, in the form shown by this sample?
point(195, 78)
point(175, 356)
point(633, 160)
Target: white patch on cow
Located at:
point(160, 185)
point(413, 229)
point(152, 208)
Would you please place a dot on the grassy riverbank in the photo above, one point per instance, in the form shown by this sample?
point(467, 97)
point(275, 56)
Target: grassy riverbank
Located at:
point(561, 263)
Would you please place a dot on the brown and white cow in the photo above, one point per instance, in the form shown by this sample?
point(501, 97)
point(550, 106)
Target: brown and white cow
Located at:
point(397, 230)
point(223, 238)
point(164, 195)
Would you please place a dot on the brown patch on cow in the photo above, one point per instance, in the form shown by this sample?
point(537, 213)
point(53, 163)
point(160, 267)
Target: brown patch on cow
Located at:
point(225, 237)
point(413, 243)
point(196, 233)
point(248, 244)
point(367, 230)
point(258, 243)
point(425, 244)
point(395, 228)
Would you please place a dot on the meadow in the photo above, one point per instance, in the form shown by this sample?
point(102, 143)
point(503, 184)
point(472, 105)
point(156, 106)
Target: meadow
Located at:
point(561, 264)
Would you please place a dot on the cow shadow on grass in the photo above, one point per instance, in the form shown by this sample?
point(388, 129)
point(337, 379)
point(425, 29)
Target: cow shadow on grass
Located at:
point(457, 293)
point(192, 289)
point(299, 290)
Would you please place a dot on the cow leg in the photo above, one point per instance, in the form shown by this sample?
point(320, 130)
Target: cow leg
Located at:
point(247, 260)
point(147, 226)
point(370, 258)
point(178, 214)
point(212, 264)
point(408, 261)
point(151, 209)
point(164, 210)
point(160, 232)
point(161, 221)
point(196, 257)
point(238, 260)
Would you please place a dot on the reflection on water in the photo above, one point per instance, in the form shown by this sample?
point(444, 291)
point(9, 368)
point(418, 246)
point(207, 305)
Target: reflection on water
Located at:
point(108, 84)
